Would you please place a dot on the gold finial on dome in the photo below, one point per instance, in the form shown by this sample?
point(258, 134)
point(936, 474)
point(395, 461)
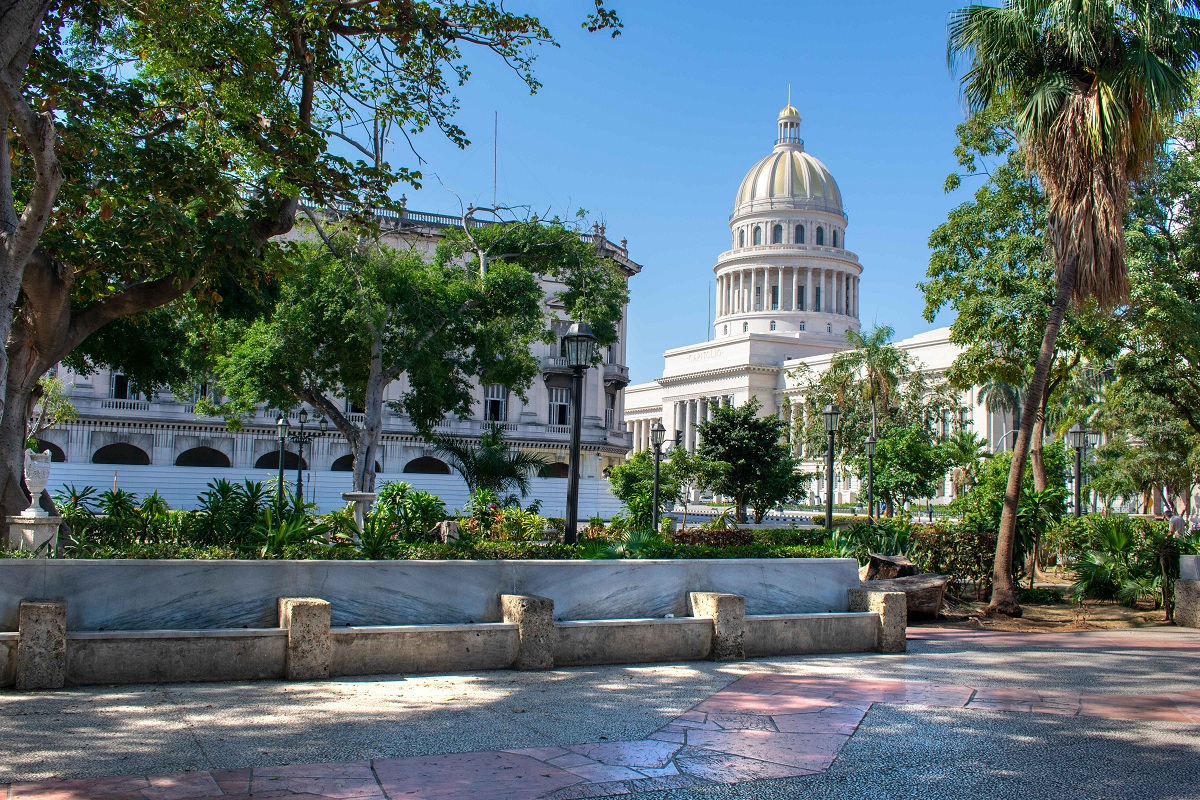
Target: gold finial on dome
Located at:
point(789, 125)
point(788, 110)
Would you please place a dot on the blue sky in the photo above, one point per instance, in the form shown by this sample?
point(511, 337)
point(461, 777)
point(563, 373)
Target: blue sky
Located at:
point(652, 133)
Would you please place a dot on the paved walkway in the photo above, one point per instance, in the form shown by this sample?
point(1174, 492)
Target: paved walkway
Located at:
point(772, 723)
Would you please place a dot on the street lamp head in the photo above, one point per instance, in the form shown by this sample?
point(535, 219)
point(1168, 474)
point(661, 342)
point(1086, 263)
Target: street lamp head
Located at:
point(871, 445)
point(658, 434)
point(323, 425)
point(1093, 438)
point(304, 416)
point(580, 345)
point(831, 415)
point(282, 424)
point(1078, 436)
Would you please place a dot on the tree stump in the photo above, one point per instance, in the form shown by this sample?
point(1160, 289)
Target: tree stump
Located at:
point(924, 593)
point(883, 568)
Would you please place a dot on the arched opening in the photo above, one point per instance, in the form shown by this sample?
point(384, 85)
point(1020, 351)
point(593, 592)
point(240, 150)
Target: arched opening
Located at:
point(799, 234)
point(427, 465)
point(346, 464)
point(558, 470)
point(745, 327)
point(741, 238)
point(820, 235)
point(777, 234)
point(726, 329)
point(758, 234)
point(202, 457)
point(271, 461)
point(772, 324)
point(835, 238)
point(121, 453)
point(57, 456)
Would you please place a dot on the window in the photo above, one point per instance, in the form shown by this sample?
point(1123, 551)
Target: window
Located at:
point(774, 298)
point(803, 297)
point(560, 406)
point(741, 238)
point(745, 327)
point(835, 238)
point(757, 302)
point(610, 410)
point(817, 300)
point(120, 389)
point(777, 234)
point(726, 329)
point(495, 403)
point(803, 326)
point(820, 235)
point(758, 234)
point(612, 353)
point(799, 234)
point(772, 324)
point(829, 328)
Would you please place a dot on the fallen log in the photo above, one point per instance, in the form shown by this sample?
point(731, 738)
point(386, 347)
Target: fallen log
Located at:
point(924, 593)
point(883, 568)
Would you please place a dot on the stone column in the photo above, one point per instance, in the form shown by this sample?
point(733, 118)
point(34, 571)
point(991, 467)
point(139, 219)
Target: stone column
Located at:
point(309, 644)
point(728, 615)
point(536, 636)
point(41, 645)
point(689, 429)
point(701, 416)
point(680, 417)
point(810, 291)
point(753, 290)
point(892, 608)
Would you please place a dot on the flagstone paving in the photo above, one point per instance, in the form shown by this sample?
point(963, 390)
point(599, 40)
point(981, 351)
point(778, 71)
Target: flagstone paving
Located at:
point(763, 725)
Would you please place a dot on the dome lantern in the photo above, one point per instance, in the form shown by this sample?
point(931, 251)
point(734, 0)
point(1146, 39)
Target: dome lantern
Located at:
point(789, 128)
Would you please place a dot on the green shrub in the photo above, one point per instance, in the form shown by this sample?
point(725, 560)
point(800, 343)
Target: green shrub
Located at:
point(517, 525)
point(1042, 595)
point(889, 538)
point(967, 557)
point(712, 538)
point(407, 513)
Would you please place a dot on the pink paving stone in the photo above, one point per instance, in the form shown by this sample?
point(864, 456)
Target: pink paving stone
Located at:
point(729, 768)
point(843, 724)
point(766, 705)
point(80, 789)
point(350, 779)
point(646, 753)
point(540, 753)
point(811, 751)
point(742, 722)
point(1157, 710)
point(233, 781)
point(678, 737)
point(469, 776)
point(568, 760)
point(604, 773)
point(181, 786)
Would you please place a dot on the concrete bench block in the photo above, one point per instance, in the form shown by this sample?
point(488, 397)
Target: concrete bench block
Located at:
point(309, 645)
point(728, 614)
point(1187, 603)
point(892, 608)
point(534, 618)
point(42, 647)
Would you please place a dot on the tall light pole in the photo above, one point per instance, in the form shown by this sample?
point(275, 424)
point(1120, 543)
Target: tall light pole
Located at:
point(658, 434)
point(1079, 437)
point(302, 439)
point(830, 416)
point(871, 477)
point(282, 425)
point(580, 346)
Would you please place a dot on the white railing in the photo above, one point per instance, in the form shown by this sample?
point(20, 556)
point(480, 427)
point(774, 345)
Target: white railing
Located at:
point(126, 405)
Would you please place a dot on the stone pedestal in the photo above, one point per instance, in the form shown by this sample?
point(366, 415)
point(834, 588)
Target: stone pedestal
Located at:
point(728, 613)
point(309, 642)
point(37, 534)
point(892, 608)
point(534, 618)
point(42, 645)
point(1187, 603)
point(362, 505)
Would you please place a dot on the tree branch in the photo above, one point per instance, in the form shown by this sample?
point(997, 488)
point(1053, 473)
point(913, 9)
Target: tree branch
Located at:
point(130, 300)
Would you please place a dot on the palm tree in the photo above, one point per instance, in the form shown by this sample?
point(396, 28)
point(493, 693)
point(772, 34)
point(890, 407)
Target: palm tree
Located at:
point(965, 450)
point(490, 463)
point(1000, 397)
point(882, 364)
point(1092, 83)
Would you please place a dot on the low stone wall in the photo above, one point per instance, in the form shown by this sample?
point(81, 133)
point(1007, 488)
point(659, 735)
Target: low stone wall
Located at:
point(533, 632)
point(1187, 592)
point(1189, 568)
point(130, 594)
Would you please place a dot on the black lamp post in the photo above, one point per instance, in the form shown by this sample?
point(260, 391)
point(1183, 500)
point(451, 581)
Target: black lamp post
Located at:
point(282, 425)
point(1078, 438)
point(657, 435)
point(580, 347)
point(871, 477)
point(302, 439)
point(830, 415)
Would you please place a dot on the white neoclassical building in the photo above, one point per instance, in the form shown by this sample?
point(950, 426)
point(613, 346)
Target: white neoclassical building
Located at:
point(787, 293)
point(125, 431)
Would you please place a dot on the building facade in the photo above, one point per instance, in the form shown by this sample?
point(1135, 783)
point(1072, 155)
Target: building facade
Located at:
point(787, 293)
point(118, 427)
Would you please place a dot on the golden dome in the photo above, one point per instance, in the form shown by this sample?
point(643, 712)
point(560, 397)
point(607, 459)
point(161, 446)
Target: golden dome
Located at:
point(789, 111)
point(788, 178)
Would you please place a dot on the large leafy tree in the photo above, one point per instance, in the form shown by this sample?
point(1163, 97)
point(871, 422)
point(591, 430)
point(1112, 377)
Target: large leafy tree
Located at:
point(1091, 84)
point(909, 464)
point(189, 133)
point(632, 482)
point(751, 461)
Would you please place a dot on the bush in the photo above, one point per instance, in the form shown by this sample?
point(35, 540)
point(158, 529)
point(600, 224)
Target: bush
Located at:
point(700, 536)
point(967, 557)
point(408, 514)
point(839, 520)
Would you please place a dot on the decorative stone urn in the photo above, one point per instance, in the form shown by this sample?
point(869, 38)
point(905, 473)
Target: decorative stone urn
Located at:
point(37, 475)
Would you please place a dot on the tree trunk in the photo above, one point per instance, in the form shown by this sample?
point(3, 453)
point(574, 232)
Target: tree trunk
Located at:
point(13, 497)
point(1036, 460)
point(367, 446)
point(1004, 596)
